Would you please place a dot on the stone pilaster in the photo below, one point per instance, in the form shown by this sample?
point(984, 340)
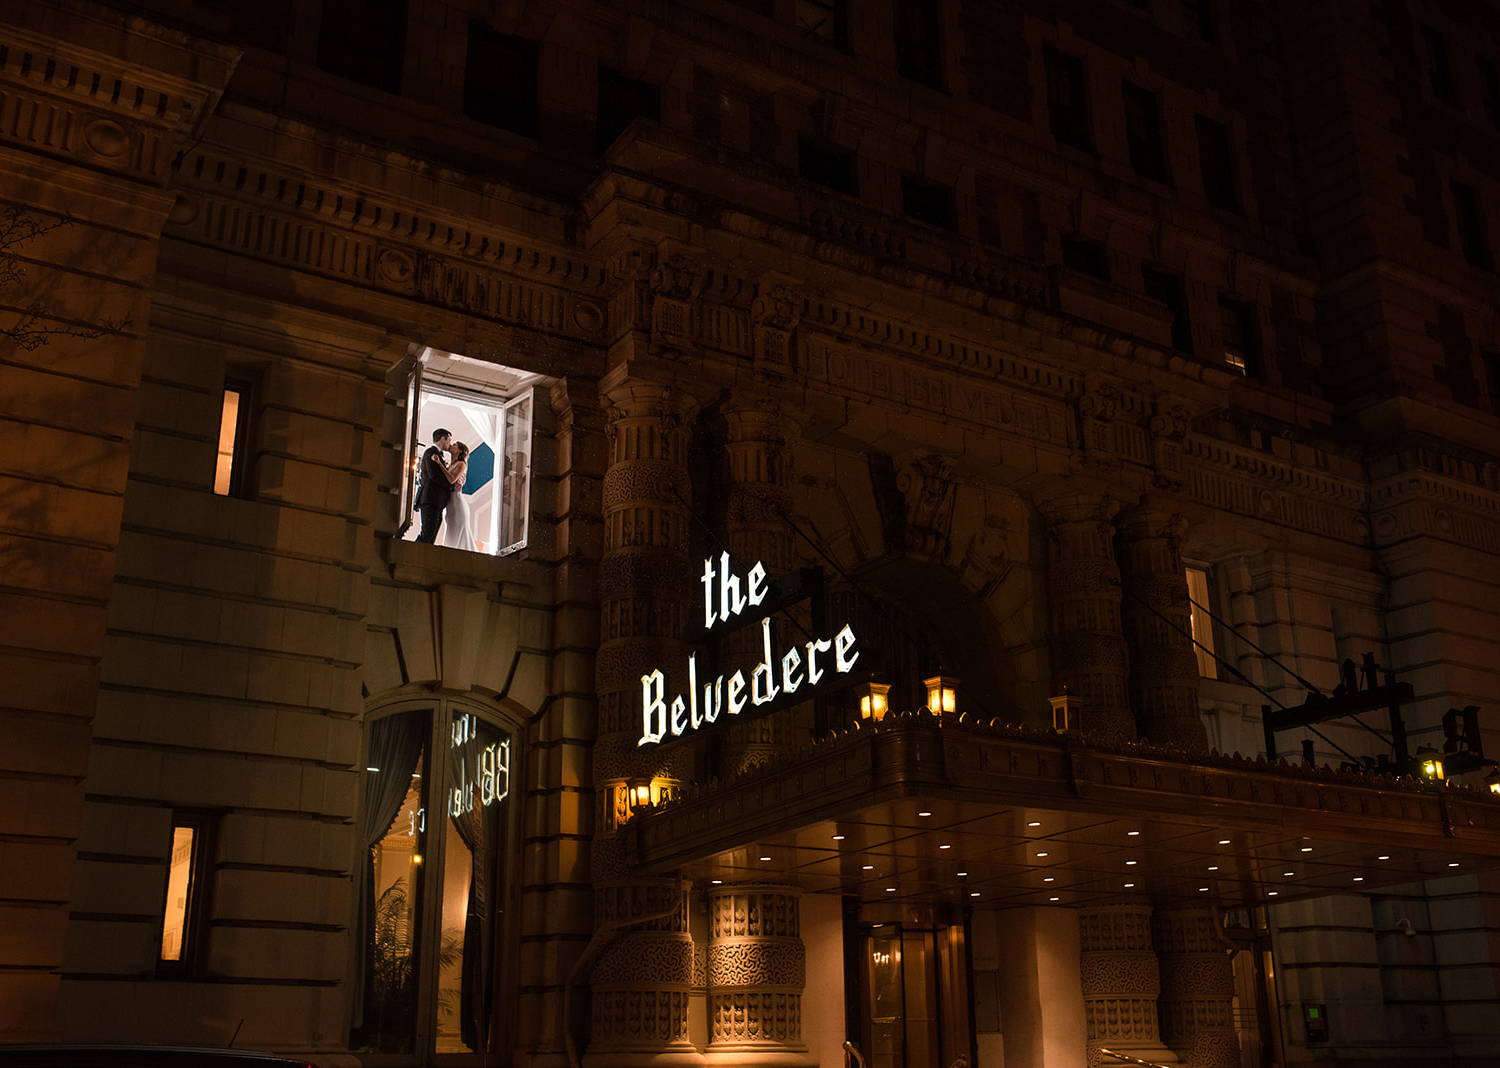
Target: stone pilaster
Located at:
point(643, 980)
point(757, 969)
point(1088, 647)
point(1158, 629)
point(1197, 988)
point(758, 464)
point(1121, 982)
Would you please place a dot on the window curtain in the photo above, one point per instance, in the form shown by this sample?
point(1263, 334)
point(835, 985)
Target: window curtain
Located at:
point(396, 744)
point(480, 826)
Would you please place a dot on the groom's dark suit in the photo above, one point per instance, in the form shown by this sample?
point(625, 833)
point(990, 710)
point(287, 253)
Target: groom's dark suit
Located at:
point(432, 493)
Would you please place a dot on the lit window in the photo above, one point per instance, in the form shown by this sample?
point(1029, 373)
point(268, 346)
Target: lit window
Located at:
point(488, 410)
point(183, 907)
point(231, 468)
point(1202, 624)
point(1241, 336)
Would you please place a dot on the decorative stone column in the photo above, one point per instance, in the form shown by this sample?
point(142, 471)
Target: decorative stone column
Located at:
point(758, 465)
point(643, 979)
point(1158, 630)
point(757, 969)
point(1197, 988)
point(1121, 982)
point(1088, 648)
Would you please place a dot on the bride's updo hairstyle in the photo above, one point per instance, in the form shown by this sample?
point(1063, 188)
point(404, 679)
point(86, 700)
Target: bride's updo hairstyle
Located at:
point(460, 451)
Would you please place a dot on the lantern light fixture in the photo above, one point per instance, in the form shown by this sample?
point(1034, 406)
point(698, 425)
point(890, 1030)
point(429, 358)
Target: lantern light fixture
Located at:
point(874, 700)
point(942, 694)
point(1430, 764)
point(1067, 713)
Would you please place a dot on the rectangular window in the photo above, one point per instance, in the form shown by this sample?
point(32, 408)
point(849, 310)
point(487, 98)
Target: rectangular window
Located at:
point(1168, 289)
point(1216, 160)
point(1085, 256)
point(927, 201)
point(1148, 154)
point(621, 101)
point(1067, 109)
point(1202, 623)
point(828, 166)
point(919, 41)
point(1199, 15)
point(233, 462)
point(1489, 88)
point(1439, 71)
point(1491, 360)
point(487, 410)
point(364, 41)
point(1470, 223)
point(500, 80)
point(1241, 336)
point(183, 908)
point(826, 20)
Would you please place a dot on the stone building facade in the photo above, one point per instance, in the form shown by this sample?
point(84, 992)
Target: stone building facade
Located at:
point(846, 385)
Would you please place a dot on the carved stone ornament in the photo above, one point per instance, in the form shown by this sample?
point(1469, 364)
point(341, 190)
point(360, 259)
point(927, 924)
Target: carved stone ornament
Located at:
point(1169, 429)
point(927, 484)
point(1097, 410)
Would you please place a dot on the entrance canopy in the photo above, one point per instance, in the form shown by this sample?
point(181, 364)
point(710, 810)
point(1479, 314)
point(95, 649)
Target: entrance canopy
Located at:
point(923, 810)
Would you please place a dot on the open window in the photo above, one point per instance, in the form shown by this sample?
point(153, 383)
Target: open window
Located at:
point(183, 909)
point(488, 408)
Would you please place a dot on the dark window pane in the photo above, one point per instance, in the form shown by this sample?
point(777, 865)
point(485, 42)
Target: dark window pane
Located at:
point(1085, 256)
point(1491, 360)
point(919, 52)
point(1241, 336)
point(500, 80)
point(824, 19)
point(1489, 86)
point(1148, 154)
point(927, 201)
point(622, 100)
point(1167, 288)
point(1217, 162)
point(363, 40)
point(1067, 110)
point(1439, 73)
point(827, 166)
point(1199, 15)
point(1470, 224)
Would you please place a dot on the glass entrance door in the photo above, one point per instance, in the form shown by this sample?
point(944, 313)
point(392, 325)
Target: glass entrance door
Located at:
point(914, 988)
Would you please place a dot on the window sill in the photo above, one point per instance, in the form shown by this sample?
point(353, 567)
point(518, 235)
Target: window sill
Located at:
point(435, 565)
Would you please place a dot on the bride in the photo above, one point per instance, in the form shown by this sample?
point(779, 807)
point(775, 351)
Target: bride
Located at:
point(456, 534)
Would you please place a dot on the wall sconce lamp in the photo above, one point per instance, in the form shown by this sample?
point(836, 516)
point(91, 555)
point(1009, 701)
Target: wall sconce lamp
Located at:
point(1430, 764)
point(874, 700)
point(942, 694)
point(639, 794)
point(1067, 713)
point(1492, 780)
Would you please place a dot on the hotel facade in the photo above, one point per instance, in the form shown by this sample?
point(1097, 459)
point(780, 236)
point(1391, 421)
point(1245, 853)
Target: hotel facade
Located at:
point(981, 519)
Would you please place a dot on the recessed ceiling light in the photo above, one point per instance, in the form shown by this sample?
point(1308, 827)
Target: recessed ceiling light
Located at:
point(924, 813)
point(1129, 885)
point(973, 893)
point(1453, 864)
point(1213, 867)
point(1043, 854)
point(1288, 873)
point(1034, 823)
point(1132, 833)
point(890, 889)
point(1307, 849)
point(963, 873)
point(765, 858)
point(945, 845)
point(1054, 899)
point(838, 838)
point(1273, 893)
point(1223, 841)
point(1129, 862)
point(869, 867)
point(718, 881)
point(1201, 889)
point(1049, 879)
point(1359, 878)
point(1383, 858)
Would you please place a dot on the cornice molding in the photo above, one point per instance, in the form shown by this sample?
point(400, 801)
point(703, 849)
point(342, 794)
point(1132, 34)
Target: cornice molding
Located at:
point(99, 110)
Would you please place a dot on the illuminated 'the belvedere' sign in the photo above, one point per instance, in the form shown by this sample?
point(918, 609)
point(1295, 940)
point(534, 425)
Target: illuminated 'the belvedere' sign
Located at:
point(773, 677)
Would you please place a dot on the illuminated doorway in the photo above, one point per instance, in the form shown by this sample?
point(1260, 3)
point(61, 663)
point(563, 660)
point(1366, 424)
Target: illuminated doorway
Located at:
point(913, 995)
point(433, 885)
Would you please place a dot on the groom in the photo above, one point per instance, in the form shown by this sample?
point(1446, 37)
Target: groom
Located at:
point(433, 493)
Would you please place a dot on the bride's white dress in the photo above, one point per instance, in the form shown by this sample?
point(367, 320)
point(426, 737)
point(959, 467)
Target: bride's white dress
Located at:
point(456, 533)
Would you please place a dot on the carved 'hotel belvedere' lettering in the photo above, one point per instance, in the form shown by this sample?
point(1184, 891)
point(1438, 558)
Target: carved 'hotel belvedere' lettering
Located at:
point(774, 676)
